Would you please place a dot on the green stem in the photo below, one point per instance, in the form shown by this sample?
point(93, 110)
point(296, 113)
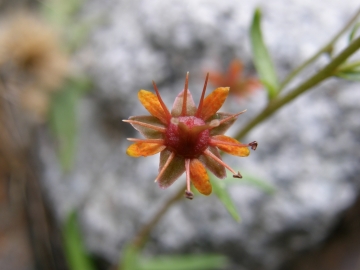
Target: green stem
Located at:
point(326, 48)
point(323, 74)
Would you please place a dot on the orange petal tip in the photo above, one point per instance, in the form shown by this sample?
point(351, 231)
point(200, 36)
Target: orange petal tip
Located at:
point(151, 102)
point(213, 102)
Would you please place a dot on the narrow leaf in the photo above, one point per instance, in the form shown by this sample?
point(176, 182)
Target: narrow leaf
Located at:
point(262, 60)
point(63, 119)
point(349, 75)
point(75, 252)
point(251, 180)
point(354, 31)
point(185, 262)
point(221, 192)
point(129, 260)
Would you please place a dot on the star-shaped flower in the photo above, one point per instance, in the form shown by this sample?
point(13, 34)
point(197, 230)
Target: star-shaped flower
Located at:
point(240, 85)
point(188, 137)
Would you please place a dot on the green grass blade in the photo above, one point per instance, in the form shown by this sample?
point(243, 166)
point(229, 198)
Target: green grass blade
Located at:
point(130, 259)
point(251, 180)
point(63, 119)
point(184, 262)
point(219, 188)
point(75, 252)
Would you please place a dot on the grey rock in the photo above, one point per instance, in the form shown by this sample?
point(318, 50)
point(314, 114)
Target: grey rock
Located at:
point(309, 150)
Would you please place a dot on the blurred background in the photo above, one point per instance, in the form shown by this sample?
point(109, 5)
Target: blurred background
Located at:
point(70, 71)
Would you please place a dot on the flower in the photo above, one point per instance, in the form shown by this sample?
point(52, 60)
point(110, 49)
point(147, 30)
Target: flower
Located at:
point(239, 85)
point(188, 138)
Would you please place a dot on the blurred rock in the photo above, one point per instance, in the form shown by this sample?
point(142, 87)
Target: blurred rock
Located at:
point(309, 150)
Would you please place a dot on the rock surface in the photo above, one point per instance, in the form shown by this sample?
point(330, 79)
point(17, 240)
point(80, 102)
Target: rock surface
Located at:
point(309, 150)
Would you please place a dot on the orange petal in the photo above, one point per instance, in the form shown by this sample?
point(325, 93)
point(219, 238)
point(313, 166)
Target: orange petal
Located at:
point(199, 177)
point(213, 102)
point(144, 149)
point(230, 145)
point(151, 102)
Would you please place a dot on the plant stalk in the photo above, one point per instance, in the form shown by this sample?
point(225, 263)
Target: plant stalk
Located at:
point(323, 74)
point(326, 48)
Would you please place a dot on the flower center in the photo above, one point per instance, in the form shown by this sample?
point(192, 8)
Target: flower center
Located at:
point(187, 136)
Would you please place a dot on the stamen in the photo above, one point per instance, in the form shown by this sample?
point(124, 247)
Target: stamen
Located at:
point(158, 141)
point(198, 112)
point(230, 117)
point(188, 193)
point(253, 145)
point(183, 110)
point(209, 154)
point(160, 129)
point(170, 158)
point(168, 115)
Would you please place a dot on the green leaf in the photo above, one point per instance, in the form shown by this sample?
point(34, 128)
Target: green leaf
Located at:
point(184, 262)
point(251, 180)
point(349, 75)
point(130, 260)
point(219, 188)
point(349, 71)
point(75, 253)
point(354, 32)
point(62, 14)
point(63, 119)
point(262, 60)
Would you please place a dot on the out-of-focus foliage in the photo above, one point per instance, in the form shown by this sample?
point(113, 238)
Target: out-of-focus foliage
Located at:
point(63, 118)
point(76, 254)
point(132, 260)
point(252, 180)
point(221, 187)
point(64, 16)
point(220, 190)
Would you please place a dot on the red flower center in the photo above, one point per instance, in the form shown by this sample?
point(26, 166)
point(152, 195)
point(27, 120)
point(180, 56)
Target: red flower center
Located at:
point(187, 136)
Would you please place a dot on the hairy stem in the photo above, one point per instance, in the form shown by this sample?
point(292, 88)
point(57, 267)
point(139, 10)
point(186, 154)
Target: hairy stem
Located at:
point(326, 48)
point(323, 74)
